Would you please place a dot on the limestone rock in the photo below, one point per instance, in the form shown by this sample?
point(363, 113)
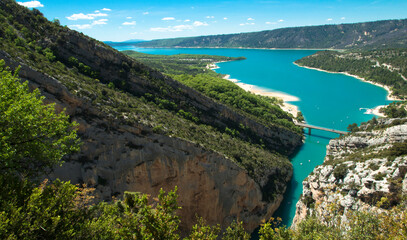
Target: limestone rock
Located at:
point(365, 181)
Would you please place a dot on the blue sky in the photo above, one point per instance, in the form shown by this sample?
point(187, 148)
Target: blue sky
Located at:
point(122, 20)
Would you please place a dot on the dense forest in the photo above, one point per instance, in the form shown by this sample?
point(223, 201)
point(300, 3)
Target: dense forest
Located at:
point(378, 35)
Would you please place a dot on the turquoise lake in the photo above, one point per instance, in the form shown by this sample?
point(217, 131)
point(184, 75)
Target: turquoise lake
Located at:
point(326, 99)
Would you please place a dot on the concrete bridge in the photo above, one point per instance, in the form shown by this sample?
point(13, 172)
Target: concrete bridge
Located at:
point(320, 128)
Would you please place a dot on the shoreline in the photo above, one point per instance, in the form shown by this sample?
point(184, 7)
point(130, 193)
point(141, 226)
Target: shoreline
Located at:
point(287, 107)
point(389, 97)
point(316, 49)
point(376, 110)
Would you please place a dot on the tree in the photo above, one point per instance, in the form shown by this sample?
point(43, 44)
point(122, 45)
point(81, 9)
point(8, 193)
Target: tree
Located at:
point(33, 136)
point(353, 127)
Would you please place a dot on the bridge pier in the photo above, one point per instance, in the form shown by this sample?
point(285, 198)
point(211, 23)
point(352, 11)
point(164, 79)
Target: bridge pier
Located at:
point(309, 131)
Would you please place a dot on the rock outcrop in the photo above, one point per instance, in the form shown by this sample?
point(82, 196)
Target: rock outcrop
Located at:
point(359, 171)
point(116, 101)
point(117, 157)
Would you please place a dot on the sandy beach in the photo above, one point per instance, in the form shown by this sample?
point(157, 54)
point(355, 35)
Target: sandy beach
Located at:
point(290, 108)
point(376, 111)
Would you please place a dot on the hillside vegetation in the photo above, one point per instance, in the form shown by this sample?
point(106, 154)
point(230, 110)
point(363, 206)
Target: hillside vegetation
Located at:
point(115, 88)
point(192, 71)
point(379, 34)
point(136, 121)
point(386, 67)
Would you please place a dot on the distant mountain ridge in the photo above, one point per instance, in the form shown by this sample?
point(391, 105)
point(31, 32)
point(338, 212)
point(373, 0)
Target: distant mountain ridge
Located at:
point(367, 35)
point(131, 41)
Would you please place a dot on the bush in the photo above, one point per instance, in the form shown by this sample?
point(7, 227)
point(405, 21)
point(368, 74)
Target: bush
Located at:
point(340, 171)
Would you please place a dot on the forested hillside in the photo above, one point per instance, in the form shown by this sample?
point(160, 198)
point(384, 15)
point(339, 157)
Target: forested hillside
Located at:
point(142, 130)
point(387, 67)
point(380, 34)
point(192, 71)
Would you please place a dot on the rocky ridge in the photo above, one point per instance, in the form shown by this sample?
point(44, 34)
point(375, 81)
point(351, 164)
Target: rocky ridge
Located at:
point(121, 154)
point(117, 157)
point(365, 170)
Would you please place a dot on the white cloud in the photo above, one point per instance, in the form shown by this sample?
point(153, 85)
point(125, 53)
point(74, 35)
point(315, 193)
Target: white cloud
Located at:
point(187, 20)
point(281, 20)
point(128, 17)
point(146, 13)
point(179, 28)
point(244, 24)
point(270, 23)
point(342, 18)
point(97, 11)
point(329, 19)
point(168, 19)
point(134, 33)
point(100, 22)
point(198, 23)
point(81, 16)
point(250, 19)
point(225, 18)
point(89, 26)
point(31, 4)
point(132, 23)
point(106, 9)
point(83, 26)
point(210, 16)
point(98, 14)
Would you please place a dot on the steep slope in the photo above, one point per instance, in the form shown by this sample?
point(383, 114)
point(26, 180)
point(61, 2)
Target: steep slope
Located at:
point(132, 137)
point(380, 34)
point(364, 171)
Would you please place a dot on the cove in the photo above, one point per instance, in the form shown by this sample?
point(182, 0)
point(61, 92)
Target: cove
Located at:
point(326, 99)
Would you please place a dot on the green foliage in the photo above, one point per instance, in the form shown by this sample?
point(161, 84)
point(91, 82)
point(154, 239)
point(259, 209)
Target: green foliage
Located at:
point(379, 34)
point(300, 117)
point(191, 70)
point(191, 64)
point(271, 231)
point(187, 115)
point(379, 176)
point(395, 110)
point(203, 231)
point(353, 127)
point(235, 232)
point(33, 137)
point(262, 108)
point(49, 54)
point(111, 85)
point(312, 228)
point(62, 211)
point(340, 171)
point(386, 67)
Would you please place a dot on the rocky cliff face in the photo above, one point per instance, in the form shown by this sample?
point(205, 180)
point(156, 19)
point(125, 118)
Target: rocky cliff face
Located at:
point(118, 157)
point(122, 150)
point(359, 171)
point(114, 67)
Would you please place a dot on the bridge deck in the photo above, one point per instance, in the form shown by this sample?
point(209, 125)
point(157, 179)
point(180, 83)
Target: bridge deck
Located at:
point(320, 128)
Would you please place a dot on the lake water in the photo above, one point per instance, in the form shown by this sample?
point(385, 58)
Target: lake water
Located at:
point(326, 99)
